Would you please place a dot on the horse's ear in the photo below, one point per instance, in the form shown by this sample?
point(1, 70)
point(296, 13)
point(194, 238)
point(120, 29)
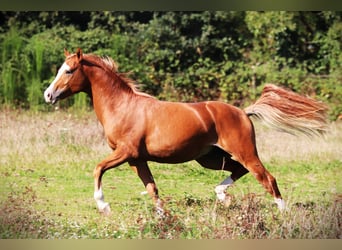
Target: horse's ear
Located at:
point(66, 52)
point(79, 54)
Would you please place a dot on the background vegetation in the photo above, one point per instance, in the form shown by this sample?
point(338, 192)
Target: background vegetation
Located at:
point(47, 158)
point(185, 56)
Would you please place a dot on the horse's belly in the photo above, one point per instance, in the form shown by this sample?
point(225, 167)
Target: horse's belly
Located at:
point(177, 151)
point(178, 156)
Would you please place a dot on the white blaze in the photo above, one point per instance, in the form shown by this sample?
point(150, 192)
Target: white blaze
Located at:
point(50, 95)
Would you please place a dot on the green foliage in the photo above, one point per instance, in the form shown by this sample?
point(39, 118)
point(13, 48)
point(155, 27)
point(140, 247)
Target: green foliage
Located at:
point(184, 56)
point(10, 58)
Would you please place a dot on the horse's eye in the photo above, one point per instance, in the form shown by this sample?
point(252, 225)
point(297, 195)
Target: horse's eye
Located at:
point(69, 72)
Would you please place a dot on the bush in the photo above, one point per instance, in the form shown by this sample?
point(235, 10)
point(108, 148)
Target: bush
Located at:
point(184, 56)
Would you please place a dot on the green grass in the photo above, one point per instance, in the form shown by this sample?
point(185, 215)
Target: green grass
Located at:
point(47, 161)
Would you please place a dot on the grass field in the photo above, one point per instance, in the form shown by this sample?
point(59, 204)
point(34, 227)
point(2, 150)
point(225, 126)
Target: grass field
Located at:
point(47, 161)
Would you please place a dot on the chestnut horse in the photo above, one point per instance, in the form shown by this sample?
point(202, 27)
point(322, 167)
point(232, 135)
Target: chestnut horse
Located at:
point(140, 128)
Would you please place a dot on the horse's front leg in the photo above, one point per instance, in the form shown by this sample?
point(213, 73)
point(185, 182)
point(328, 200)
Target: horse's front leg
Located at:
point(115, 159)
point(143, 171)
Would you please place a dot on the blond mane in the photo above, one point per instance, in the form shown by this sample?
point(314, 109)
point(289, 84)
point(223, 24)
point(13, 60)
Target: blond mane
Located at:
point(109, 65)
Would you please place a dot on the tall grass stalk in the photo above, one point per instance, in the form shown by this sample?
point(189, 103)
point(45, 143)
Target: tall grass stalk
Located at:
point(7, 86)
point(34, 85)
point(81, 101)
point(10, 53)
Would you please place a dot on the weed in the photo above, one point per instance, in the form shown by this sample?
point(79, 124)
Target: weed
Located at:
point(18, 218)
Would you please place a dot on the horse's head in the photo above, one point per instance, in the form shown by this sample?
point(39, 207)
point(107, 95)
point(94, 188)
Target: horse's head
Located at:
point(70, 78)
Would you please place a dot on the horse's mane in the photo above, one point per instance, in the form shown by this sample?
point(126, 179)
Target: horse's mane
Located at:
point(109, 65)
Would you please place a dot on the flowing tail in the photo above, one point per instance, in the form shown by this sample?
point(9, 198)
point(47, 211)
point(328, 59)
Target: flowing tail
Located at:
point(290, 112)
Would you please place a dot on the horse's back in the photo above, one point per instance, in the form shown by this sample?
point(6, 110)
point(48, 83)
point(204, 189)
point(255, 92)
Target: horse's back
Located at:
point(183, 131)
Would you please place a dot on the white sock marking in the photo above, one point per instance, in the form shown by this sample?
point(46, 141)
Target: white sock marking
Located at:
point(99, 198)
point(220, 189)
point(280, 203)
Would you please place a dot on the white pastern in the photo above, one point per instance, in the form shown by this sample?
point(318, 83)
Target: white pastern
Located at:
point(50, 94)
point(220, 189)
point(98, 195)
point(280, 203)
point(101, 204)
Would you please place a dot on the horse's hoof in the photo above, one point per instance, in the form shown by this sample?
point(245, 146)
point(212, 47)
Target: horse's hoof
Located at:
point(105, 210)
point(281, 204)
point(159, 212)
point(227, 201)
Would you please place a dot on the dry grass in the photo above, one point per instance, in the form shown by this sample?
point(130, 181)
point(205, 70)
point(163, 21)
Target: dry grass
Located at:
point(46, 171)
point(282, 147)
point(31, 134)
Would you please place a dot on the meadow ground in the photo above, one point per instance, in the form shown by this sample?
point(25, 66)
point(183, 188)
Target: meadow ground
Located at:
point(46, 166)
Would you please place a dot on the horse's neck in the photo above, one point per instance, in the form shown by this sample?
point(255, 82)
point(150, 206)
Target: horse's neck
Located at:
point(108, 99)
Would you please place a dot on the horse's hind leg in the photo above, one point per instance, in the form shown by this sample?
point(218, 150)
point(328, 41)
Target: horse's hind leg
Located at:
point(237, 172)
point(218, 159)
point(143, 171)
point(241, 145)
point(254, 165)
point(266, 179)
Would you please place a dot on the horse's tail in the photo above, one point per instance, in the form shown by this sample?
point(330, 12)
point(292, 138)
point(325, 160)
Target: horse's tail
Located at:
point(289, 112)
